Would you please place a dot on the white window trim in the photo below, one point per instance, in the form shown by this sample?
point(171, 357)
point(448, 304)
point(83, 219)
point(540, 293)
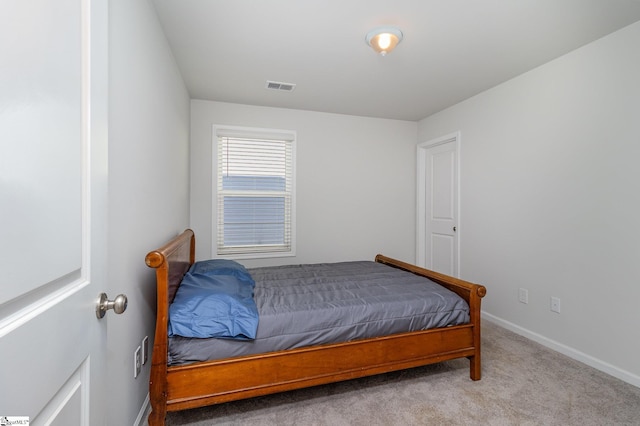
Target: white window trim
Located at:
point(250, 132)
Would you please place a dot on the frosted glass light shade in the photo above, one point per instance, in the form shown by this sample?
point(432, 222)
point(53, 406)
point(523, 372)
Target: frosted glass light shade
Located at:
point(384, 39)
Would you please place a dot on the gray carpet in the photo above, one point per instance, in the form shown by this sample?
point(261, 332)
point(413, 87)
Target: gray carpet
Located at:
point(523, 383)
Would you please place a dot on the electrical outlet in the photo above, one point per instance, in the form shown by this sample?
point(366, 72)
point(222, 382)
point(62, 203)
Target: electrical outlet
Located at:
point(137, 362)
point(145, 350)
point(523, 295)
point(555, 305)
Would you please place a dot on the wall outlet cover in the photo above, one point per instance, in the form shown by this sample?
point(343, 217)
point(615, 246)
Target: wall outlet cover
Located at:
point(145, 350)
point(523, 295)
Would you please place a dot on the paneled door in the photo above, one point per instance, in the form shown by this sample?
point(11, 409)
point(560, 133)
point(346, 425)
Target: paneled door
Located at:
point(53, 176)
point(438, 205)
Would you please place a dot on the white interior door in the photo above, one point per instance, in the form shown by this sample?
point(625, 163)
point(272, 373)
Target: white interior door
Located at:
point(438, 205)
point(53, 166)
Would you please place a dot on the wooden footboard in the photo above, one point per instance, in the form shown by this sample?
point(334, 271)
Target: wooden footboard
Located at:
point(472, 293)
point(204, 383)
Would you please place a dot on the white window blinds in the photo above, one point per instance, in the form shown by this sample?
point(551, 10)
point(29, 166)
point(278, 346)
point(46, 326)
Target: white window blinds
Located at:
point(254, 196)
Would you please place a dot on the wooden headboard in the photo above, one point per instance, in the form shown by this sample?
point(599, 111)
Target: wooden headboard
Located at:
point(175, 257)
point(171, 262)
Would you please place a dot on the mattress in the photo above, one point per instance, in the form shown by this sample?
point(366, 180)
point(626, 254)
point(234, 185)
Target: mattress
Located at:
point(304, 305)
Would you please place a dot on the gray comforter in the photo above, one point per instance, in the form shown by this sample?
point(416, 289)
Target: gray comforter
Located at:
point(303, 305)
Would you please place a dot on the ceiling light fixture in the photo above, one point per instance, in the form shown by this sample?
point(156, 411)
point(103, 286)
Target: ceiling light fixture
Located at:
point(383, 39)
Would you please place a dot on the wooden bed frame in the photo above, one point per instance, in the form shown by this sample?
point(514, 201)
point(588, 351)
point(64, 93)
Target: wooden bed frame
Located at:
point(174, 388)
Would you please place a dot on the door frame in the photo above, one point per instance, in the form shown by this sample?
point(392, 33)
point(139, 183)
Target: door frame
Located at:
point(421, 196)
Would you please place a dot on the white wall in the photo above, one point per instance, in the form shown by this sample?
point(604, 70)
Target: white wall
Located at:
point(148, 185)
point(550, 200)
point(355, 181)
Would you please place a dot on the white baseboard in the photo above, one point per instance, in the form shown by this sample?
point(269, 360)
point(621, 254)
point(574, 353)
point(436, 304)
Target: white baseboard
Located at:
point(566, 350)
point(141, 420)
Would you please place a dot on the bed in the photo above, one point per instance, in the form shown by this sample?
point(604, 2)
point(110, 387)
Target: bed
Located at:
point(178, 385)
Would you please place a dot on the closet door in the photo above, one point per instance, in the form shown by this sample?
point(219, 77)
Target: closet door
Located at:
point(438, 205)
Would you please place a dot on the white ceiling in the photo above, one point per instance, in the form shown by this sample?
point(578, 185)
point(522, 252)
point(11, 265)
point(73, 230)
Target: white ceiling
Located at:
point(452, 49)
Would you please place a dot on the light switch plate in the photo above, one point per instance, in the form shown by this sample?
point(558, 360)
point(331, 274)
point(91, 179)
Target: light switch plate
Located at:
point(137, 362)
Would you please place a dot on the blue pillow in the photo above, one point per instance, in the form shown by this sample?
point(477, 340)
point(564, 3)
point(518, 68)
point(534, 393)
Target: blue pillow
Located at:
point(214, 306)
point(221, 267)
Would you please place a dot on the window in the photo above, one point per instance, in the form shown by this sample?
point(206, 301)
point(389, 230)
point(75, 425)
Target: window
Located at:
point(254, 192)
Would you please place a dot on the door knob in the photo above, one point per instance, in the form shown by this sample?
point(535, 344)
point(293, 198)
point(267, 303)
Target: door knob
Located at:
point(119, 304)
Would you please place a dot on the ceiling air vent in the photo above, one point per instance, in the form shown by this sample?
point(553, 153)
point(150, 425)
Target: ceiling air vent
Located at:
point(278, 85)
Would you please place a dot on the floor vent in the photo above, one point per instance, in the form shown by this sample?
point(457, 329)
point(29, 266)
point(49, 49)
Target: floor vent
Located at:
point(277, 85)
